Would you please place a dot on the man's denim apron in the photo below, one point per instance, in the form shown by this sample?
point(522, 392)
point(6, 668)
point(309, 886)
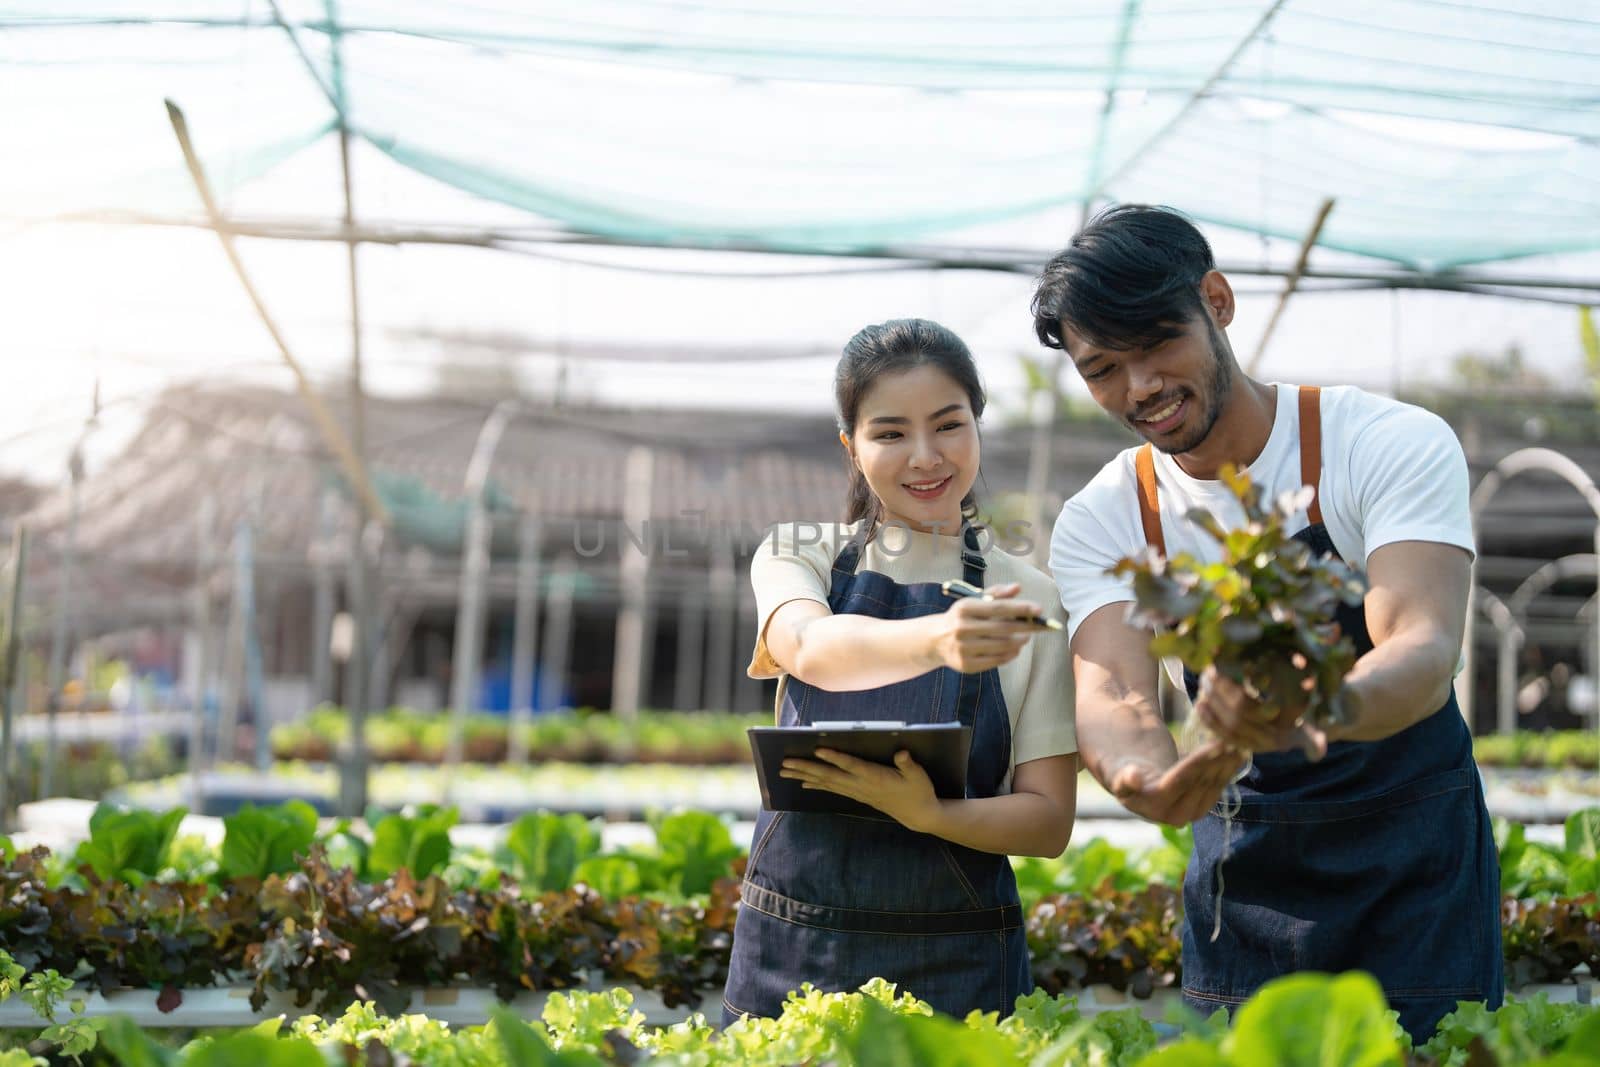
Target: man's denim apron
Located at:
point(1380, 857)
point(835, 900)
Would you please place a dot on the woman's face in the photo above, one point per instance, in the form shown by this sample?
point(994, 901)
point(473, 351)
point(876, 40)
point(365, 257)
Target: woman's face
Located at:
point(917, 443)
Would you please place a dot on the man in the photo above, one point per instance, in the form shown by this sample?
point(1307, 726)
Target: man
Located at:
point(1375, 851)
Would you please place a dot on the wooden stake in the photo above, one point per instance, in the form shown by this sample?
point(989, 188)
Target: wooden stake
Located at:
point(354, 470)
point(1292, 283)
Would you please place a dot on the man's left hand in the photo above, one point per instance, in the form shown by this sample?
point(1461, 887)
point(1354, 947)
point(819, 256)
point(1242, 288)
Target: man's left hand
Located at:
point(903, 792)
point(1243, 722)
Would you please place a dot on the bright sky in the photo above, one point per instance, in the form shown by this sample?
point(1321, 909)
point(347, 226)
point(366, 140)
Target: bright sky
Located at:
point(141, 308)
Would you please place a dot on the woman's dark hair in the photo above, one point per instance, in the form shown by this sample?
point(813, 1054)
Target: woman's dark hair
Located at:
point(889, 348)
point(1129, 279)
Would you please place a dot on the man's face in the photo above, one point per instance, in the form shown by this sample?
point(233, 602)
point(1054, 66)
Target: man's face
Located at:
point(1170, 393)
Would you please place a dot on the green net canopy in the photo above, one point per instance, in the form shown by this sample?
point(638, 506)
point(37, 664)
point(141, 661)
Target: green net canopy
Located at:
point(1451, 132)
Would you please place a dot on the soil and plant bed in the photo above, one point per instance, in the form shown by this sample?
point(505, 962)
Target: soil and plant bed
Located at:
point(326, 915)
point(1309, 1019)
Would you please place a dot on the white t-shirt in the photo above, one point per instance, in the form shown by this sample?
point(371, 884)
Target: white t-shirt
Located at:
point(795, 562)
point(1390, 472)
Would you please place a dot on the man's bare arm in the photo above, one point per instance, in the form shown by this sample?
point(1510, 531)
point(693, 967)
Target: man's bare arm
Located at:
point(1121, 737)
point(854, 652)
point(1416, 609)
point(1118, 714)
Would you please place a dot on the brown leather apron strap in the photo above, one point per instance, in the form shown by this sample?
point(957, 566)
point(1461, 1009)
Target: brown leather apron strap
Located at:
point(1310, 449)
point(1144, 464)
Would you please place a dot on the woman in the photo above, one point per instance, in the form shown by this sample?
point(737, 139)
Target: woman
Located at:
point(854, 625)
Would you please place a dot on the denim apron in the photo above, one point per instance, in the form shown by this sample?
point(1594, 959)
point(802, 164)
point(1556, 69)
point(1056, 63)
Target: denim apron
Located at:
point(1380, 857)
point(836, 899)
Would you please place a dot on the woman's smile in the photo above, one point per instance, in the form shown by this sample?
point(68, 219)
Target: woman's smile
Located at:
point(929, 490)
point(916, 444)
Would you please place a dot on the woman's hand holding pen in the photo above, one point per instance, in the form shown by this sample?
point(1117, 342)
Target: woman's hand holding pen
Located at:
point(903, 792)
point(978, 633)
point(983, 629)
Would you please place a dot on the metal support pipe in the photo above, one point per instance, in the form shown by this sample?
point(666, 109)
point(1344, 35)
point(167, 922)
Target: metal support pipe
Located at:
point(1505, 712)
point(205, 520)
point(61, 634)
point(235, 672)
point(719, 632)
point(1578, 565)
point(322, 600)
point(747, 688)
point(354, 788)
point(1507, 633)
point(691, 650)
point(383, 625)
point(466, 660)
point(1039, 456)
point(524, 640)
point(354, 766)
point(1520, 462)
point(537, 240)
point(628, 669)
point(558, 610)
point(254, 684)
point(397, 636)
point(10, 691)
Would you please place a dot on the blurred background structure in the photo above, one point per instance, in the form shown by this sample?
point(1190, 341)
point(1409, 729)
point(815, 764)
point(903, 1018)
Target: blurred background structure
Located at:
point(612, 249)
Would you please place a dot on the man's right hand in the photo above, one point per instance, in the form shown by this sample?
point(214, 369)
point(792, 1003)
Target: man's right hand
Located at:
point(1181, 793)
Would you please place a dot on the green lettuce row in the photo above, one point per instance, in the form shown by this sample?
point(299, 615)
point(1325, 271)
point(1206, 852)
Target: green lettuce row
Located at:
point(1530, 869)
point(367, 927)
point(1306, 1019)
point(405, 735)
point(546, 851)
point(1555, 749)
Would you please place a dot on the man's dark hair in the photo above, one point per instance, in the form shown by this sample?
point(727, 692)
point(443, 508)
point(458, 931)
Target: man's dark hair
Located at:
point(1129, 279)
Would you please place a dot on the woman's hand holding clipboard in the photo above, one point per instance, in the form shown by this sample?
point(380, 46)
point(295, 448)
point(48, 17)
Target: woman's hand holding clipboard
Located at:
point(855, 767)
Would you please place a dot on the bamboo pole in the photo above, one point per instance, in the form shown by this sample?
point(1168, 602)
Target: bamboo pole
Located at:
point(351, 464)
point(1292, 282)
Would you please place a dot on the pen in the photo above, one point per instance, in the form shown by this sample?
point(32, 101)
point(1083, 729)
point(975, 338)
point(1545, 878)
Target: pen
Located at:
point(958, 588)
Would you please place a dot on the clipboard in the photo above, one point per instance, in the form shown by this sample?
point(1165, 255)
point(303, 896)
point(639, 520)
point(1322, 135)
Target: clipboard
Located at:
point(941, 748)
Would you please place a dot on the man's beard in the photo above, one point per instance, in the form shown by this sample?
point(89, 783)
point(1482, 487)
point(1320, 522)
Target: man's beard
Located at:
point(1216, 385)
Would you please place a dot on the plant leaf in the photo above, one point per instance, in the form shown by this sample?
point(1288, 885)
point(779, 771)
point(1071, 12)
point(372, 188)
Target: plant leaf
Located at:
point(1583, 833)
point(696, 850)
point(546, 848)
point(1314, 1020)
point(261, 841)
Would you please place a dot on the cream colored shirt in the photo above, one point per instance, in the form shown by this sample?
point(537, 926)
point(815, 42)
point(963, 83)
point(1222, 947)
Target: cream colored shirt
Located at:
point(795, 562)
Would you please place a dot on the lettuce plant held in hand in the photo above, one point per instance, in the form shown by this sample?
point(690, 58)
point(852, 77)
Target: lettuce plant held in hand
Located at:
point(1263, 616)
